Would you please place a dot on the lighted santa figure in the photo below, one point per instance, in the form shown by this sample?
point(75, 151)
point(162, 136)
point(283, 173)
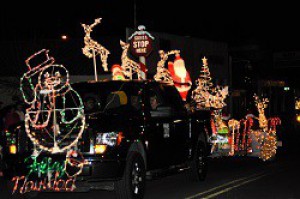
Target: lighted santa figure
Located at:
point(117, 72)
point(181, 77)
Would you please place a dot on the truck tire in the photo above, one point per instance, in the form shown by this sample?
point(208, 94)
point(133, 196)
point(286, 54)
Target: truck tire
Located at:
point(198, 166)
point(132, 184)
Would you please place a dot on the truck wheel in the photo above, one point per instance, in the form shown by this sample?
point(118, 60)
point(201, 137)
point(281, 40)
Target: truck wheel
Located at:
point(132, 184)
point(198, 166)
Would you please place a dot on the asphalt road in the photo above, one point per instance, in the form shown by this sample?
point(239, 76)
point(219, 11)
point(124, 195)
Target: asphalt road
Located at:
point(228, 178)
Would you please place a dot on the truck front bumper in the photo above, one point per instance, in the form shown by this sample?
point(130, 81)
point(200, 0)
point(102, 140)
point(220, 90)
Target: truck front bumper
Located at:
point(99, 169)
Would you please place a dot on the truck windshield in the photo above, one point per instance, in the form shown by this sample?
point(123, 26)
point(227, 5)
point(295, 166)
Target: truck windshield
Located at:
point(110, 97)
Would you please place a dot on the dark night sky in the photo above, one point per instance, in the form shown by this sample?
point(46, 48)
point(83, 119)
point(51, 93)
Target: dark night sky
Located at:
point(275, 26)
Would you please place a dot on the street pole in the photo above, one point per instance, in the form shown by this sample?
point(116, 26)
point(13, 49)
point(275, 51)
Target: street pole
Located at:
point(134, 15)
point(95, 65)
point(142, 60)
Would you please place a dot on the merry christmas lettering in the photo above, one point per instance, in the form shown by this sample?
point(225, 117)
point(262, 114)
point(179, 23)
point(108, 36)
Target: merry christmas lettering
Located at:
point(23, 185)
point(45, 175)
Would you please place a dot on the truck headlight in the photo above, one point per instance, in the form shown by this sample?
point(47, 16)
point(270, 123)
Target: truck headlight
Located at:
point(107, 139)
point(13, 149)
point(298, 118)
point(100, 148)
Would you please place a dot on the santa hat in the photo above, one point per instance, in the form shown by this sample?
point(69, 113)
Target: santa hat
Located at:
point(116, 68)
point(117, 72)
point(177, 57)
point(178, 60)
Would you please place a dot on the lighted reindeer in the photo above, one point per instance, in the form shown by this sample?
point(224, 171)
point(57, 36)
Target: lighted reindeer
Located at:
point(92, 48)
point(129, 66)
point(162, 73)
point(261, 105)
point(266, 134)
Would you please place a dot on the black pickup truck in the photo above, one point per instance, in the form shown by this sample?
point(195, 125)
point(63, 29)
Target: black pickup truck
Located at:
point(134, 129)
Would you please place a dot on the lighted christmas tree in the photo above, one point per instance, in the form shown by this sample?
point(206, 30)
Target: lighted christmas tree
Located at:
point(204, 76)
point(207, 96)
point(201, 93)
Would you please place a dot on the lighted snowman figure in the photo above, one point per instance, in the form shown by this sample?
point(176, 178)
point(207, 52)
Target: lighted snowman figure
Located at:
point(55, 119)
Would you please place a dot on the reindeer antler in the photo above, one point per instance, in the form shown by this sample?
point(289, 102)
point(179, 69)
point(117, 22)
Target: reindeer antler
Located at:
point(164, 56)
point(93, 48)
point(96, 22)
point(89, 28)
point(261, 103)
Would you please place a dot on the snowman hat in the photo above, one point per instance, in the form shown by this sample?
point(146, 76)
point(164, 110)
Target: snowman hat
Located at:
point(34, 61)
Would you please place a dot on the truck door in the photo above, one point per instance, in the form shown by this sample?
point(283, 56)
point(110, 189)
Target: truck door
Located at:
point(158, 129)
point(180, 134)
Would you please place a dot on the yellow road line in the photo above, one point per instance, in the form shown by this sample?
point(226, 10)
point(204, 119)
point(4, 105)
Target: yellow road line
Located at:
point(225, 185)
point(233, 187)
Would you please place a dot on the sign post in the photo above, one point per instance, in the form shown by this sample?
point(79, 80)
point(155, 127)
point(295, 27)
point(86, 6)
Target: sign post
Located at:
point(141, 46)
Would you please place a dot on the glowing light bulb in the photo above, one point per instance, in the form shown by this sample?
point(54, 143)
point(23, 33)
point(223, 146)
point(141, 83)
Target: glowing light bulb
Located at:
point(64, 37)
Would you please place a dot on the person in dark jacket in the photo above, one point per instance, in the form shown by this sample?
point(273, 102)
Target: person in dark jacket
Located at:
point(11, 117)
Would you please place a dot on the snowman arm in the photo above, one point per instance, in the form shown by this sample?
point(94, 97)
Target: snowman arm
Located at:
point(78, 109)
point(29, 86)
point(79, 115)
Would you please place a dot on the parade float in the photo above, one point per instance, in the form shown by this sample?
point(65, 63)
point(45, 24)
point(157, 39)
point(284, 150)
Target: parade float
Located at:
point(55, 119)
point(251, 136)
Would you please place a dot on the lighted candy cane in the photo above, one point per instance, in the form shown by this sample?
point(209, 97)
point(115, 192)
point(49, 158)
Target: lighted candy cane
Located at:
point(249, 131)
point(233, 124)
